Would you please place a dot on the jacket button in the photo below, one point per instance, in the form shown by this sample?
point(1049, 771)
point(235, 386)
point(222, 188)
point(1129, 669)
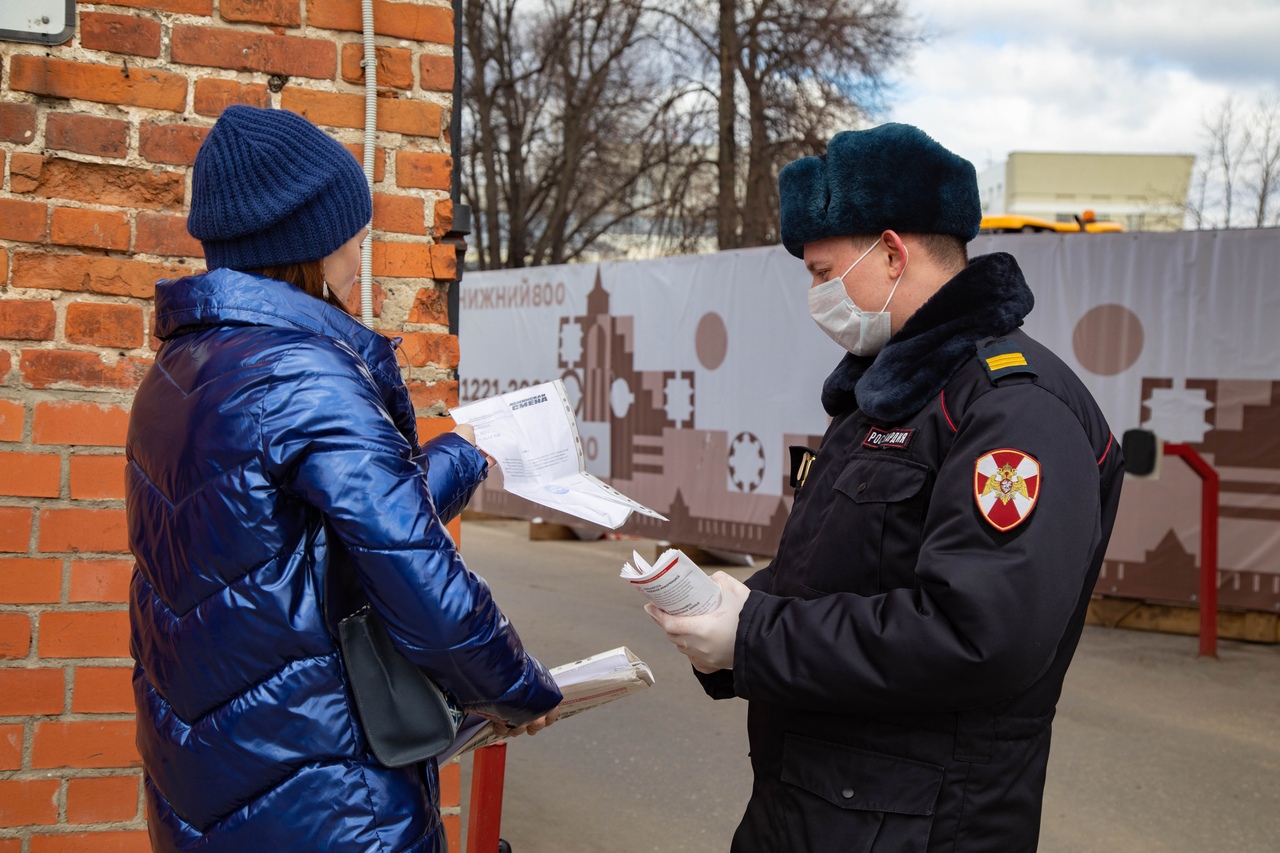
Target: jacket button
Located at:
point(862, 488)
point(847, 793)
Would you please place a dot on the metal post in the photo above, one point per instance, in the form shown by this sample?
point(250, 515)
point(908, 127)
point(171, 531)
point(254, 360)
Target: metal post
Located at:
point(1208, 545)
point(484, 821)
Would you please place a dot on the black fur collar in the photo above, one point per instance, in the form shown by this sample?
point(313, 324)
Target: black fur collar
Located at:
point(988, 298)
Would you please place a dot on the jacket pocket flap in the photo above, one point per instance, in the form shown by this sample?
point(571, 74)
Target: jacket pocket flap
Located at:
point(856, 779)
point(881, 481)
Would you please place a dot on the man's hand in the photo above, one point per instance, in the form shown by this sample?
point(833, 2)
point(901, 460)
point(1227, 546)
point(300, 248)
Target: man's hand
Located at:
point(707, 640)
point(531, 728)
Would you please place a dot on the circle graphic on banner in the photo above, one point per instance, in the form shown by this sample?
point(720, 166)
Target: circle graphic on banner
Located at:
point(1006, 484)
point(1108, 340)
point(711, 340)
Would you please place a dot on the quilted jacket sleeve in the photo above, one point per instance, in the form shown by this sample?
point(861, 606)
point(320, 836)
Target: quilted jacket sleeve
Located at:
point(455, 469)
point(328, 439)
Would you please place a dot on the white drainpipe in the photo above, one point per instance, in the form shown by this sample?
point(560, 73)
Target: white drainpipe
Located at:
point(370, 133)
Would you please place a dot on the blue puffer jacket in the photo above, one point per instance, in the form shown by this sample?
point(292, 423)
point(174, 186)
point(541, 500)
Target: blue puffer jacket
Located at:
point(274, 485)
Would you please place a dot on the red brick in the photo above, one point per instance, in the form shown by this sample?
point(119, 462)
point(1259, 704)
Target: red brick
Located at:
point(430, 306)
point(92, 229)
point(103, 690)
point(426, 395)
point(67, 368)
point(281, 13)
point(131, 34)
point(24, 171)
point(15, 528)
point(118, 841)
point(96, 634)
point(423, 170)
point(83, 424)
point(104, 324)
point(435, 73)
point(423, 348)
point(333, 109)
point(84, 743)
point(86, 134)
point(12, 414)
point(353, 300)
point(17, 123)
point(23, 220)
point(4, 268)
point(214, 95)
point(10, 738)
point(403, 20)
point(84, 274)
point(452, 830)
point(442, 222)
point(109, 84)
point(175, 144)
point(402, 260)
point(403, 214)
point(101, 183)
point(26, 692)
point(158, 234)
point(97, 477)
point(29, 581)
point(100, 580)
point(240, 50)
point(28, 802)
point(27, 319)
point(89, 530)
point(444, 262)
point(186, 7)
point(30, 475)
point(15, 642)
point(10, 845)
point(102, 799)
point(379, 159)
point(395, 65)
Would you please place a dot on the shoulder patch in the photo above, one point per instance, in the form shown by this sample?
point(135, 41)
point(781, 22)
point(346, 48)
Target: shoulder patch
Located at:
point(1004, 358)
point(1006, 484)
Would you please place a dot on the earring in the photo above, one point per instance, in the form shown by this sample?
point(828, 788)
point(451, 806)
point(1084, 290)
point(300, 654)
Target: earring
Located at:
point(325, 290)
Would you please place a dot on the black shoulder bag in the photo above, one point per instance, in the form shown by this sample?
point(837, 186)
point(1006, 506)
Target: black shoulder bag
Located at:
point(406, 718)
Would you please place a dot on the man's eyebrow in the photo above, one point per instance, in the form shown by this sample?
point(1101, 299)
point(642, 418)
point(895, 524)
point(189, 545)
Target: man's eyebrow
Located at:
point(810, 265)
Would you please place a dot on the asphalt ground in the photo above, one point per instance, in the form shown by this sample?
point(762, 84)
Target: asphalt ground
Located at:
point(1154, 751)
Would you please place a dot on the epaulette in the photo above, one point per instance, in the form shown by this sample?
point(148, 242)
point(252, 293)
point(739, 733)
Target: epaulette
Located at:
point(1003, 358)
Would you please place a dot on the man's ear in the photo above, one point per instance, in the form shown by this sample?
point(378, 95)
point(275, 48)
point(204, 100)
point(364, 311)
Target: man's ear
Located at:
point(897, 253)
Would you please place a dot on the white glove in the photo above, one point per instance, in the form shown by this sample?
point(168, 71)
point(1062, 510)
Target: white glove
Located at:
point(707, 640)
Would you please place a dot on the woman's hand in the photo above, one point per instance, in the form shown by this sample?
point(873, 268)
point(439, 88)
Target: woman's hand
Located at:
point(532, 728)
point(469, 433)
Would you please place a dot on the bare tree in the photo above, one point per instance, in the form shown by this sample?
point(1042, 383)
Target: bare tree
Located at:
point(576, 127)
point(1239, 167)
point(805, 68)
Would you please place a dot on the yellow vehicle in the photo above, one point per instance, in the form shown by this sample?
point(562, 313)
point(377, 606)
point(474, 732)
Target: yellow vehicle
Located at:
point(1007, 223)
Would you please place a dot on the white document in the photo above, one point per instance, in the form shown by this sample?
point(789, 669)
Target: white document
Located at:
point(674, 583)
point(534, 438)
point(585, 684)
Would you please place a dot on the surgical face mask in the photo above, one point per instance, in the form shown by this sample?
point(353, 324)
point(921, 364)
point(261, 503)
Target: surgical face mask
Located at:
point(862, 333)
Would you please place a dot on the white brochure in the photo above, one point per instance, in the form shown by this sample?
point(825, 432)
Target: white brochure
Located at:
point(674, 583)
point(584, 684)
point(533, 436)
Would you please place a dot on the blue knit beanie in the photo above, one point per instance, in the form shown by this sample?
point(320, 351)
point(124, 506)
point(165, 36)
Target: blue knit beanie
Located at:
point(271, 188)
point(889, 177)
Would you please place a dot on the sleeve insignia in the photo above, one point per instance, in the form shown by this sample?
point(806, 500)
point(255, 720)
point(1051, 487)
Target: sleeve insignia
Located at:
point(1006, 484)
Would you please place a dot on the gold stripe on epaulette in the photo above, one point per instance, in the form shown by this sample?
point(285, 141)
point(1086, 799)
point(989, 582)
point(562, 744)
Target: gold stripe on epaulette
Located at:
point(1009, 359)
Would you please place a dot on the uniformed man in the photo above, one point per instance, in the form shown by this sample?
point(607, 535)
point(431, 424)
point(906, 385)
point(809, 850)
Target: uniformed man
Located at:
point(904, 652)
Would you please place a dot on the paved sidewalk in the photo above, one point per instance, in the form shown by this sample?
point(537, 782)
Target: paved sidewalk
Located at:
point(1153, 751)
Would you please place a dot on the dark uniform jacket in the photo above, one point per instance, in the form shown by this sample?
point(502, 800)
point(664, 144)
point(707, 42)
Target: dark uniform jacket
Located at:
point(904, 652)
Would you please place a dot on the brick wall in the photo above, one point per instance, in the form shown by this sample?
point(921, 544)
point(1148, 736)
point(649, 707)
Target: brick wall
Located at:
point(97, 138)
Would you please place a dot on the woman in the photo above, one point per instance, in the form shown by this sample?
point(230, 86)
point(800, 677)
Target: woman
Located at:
point(274, 486)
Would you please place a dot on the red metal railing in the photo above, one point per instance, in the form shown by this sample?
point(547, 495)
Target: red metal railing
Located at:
point(484, 820)
point(1208, 545)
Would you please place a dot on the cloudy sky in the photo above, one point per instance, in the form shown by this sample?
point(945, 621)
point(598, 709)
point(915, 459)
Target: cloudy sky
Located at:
point(1082, 75)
